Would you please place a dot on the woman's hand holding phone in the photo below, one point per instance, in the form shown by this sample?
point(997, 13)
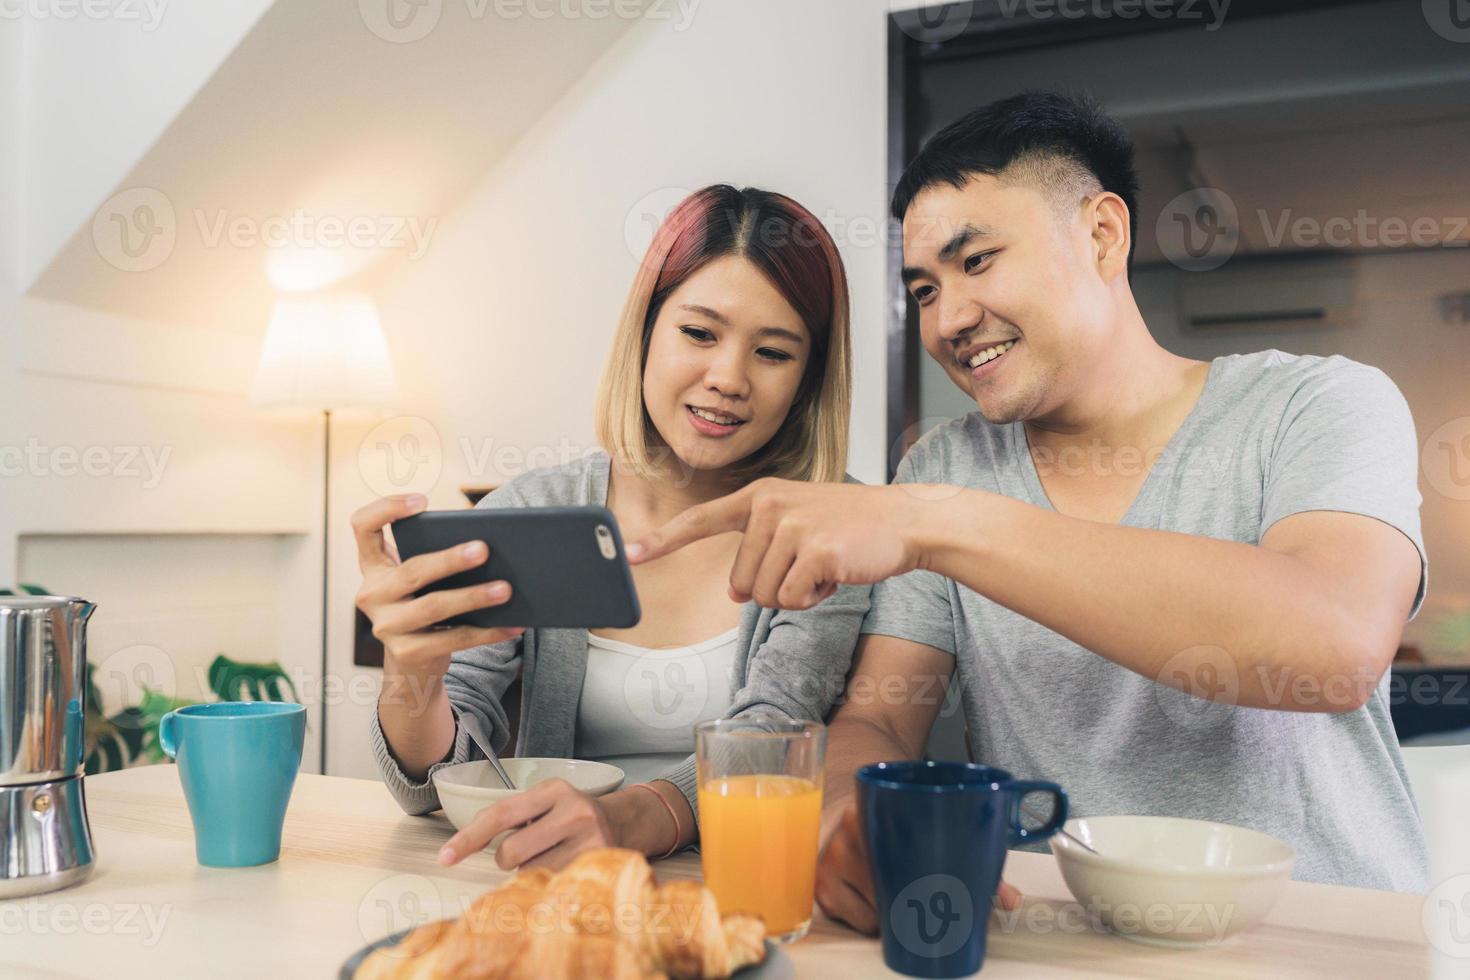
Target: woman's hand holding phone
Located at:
point(413, 708)
point(402, 621)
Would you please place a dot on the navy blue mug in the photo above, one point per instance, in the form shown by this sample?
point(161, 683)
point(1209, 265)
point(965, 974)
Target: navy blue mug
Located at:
point(936, 834)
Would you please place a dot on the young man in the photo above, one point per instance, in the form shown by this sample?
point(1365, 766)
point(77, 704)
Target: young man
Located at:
point(1172, 586)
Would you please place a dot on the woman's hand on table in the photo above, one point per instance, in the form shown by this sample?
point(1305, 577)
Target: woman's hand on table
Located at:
point(400, 620)
point(553, 822)
point(845, 885)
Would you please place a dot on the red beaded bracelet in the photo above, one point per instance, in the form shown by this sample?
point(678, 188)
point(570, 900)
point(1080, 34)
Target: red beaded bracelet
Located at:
point(678, 826)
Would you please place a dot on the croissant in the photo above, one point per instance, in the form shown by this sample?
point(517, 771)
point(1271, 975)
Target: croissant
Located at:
point(603, 915)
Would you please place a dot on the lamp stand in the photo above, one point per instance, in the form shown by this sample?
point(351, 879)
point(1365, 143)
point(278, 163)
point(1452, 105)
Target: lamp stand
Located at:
point(326, 528)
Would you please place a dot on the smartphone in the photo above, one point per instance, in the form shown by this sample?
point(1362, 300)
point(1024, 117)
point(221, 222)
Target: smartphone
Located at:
point(565, 565)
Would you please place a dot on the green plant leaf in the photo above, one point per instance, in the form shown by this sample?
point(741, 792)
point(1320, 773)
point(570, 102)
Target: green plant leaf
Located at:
point(94, 696)
point(156, 704)
point(133, 731)
point(105, 754)
point(233, 680)
point(111, 743)
point(103, 746)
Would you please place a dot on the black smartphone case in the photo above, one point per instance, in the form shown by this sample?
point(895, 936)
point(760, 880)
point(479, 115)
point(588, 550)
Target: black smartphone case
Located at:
point(553, 558)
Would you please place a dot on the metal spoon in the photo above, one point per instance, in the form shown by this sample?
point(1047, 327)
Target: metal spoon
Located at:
point(505, 776)
point(1078, 841)
point(1061, 830)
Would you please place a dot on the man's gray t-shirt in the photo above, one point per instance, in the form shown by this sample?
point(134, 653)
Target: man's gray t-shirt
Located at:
point(1272, 435)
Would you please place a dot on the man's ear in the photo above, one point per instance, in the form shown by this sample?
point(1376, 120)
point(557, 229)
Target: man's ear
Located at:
point(1108, 221)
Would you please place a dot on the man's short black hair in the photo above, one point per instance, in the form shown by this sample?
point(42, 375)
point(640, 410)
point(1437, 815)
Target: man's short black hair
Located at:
point(1066, 146)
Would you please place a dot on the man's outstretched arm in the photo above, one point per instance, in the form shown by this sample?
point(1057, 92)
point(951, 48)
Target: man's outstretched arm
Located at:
point(1307, 620)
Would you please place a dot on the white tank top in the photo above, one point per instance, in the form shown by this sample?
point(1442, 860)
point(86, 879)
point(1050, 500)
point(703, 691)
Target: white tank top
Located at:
point(639, 705)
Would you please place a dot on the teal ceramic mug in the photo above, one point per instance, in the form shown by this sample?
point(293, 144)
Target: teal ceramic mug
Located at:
point(238, 762)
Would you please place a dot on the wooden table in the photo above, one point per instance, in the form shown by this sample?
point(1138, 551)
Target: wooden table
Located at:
point(354, 867)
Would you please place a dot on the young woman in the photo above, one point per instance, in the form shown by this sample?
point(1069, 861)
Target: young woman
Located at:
point(731, 363)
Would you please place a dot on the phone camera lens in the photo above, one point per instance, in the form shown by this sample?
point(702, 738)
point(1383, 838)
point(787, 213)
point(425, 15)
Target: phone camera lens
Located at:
point(605, 542)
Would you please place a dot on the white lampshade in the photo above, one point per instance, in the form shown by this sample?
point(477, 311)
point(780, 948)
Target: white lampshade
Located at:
point(324, 351)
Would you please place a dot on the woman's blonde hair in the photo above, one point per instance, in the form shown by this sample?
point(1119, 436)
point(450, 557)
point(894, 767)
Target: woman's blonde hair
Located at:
point(790, 246)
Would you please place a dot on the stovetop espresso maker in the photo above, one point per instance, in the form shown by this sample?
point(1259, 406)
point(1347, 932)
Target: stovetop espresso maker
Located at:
point(46, 842)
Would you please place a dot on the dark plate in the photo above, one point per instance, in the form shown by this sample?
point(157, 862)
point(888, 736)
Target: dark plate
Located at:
point(776, 966)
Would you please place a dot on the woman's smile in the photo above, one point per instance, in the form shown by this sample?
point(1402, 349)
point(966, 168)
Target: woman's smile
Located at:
point(712, 422)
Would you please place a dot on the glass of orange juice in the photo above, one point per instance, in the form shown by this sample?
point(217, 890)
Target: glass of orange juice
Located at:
point(760, 809)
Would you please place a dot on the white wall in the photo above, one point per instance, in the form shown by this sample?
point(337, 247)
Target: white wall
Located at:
point(179, 465)
point(101, 88)
point(499, 333)
point(11, 48)
point(10, 55)
point(313, 123)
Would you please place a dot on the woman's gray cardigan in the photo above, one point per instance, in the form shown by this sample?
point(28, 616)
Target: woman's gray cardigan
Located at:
point(793, 662)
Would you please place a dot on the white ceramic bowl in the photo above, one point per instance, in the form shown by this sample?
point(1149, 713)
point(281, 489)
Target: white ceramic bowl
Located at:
point(1173, 882)
point(466, 789)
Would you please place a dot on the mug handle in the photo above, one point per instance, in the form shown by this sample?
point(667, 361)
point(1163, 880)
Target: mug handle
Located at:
point(1020, 834)
point(166, 735)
